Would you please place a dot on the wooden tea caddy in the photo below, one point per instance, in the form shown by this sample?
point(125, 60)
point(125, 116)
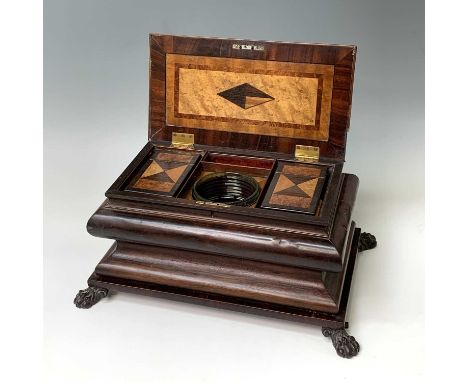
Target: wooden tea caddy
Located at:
point(276, 112)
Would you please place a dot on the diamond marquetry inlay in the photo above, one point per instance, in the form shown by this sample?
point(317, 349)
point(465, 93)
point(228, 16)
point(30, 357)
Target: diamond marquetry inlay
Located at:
point(245, 96)
point(296, 187)
point(164, 172)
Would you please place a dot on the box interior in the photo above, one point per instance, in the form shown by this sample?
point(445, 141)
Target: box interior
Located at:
point(285, 185)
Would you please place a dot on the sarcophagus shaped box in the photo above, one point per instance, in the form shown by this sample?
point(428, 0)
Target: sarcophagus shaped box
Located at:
point(238, 199)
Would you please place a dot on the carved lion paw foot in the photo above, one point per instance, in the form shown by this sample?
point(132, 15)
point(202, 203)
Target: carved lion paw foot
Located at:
point(345, 345)
point(366, 241)
point(86, 298)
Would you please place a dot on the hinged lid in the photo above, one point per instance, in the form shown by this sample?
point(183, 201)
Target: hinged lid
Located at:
point(253, 95)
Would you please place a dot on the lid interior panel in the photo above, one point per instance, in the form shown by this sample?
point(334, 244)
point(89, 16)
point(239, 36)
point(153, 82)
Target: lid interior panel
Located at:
point(253, 95)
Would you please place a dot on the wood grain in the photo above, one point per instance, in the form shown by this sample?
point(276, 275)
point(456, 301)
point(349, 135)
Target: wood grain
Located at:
point(341, 57)
point(266, 309)
point(298, 107)
point(121, 188)
point(296, 187)
point(164, 172)
point(229, 234)
point(216, 274)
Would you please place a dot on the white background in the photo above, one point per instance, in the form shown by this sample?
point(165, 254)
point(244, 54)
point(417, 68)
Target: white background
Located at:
point(127, 337)
point(95, 122)
point(95, 95)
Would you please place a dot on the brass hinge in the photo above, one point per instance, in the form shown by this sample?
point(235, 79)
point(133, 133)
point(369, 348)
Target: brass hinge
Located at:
point(182, 141)
point(307, 153)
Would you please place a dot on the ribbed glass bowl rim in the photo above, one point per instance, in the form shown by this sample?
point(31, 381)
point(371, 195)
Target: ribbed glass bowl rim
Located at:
point(243, 177)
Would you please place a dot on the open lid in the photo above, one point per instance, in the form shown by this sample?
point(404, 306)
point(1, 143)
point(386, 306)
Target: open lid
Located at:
point(253, 95)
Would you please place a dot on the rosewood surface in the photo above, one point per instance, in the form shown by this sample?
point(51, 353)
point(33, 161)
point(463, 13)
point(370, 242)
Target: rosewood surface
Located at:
point(330, 320)
point(341, 57)
point(284, 285)
point(259, 240)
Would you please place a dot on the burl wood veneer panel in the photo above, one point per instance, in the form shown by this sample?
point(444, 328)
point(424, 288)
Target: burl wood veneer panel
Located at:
point(164, 172)
point(296, 187)
point(271, 98)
